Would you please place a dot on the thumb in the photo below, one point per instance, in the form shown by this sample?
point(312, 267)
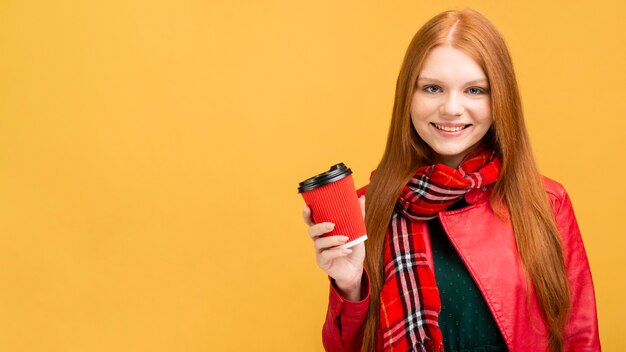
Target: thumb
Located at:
point(362, 204)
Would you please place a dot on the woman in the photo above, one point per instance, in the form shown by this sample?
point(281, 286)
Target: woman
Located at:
point(469, 247)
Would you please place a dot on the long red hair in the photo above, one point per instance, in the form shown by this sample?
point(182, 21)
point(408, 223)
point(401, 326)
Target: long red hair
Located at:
point(519, 186)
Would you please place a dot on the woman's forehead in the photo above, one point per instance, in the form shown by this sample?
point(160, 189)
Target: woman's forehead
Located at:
point(450, 64)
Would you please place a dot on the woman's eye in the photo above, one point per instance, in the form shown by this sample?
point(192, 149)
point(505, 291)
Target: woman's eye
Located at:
point(476, 91)
point(431, 89)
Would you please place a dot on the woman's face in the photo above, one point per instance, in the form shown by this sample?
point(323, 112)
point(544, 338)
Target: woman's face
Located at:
point(451, 107)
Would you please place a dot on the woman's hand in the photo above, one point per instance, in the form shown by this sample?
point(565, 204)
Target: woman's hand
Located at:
point(344, 265)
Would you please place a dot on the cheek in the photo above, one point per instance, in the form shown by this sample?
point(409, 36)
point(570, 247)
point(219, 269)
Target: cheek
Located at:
point(482, 111)
point(422, 109)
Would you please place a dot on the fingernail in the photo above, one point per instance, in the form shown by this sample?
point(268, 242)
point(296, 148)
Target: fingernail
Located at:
point(347, 251)
point(330, 226)
point(343, 238)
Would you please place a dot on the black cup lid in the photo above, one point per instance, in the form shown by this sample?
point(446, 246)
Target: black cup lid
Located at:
point(336, 173)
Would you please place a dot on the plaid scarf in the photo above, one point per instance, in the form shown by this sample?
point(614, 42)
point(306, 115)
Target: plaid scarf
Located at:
point(409, 299)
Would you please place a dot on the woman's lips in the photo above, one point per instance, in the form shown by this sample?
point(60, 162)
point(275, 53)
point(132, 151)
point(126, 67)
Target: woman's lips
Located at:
point(450, 127)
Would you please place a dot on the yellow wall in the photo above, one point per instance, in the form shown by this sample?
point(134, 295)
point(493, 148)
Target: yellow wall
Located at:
point(150, 153)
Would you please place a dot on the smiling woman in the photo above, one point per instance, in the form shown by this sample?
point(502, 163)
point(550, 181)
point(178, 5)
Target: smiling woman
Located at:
point(451, 109)
point(470, 248)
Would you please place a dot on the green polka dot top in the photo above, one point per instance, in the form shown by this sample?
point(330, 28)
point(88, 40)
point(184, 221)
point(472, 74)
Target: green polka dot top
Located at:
point(465, 319)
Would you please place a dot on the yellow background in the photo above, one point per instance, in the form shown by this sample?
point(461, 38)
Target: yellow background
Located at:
point(150, 153)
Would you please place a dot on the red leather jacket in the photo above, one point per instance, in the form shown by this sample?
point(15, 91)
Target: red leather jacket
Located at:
point(488, 249)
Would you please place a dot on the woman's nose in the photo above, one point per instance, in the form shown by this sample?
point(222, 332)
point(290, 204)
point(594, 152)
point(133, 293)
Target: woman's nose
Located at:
point(452, 105)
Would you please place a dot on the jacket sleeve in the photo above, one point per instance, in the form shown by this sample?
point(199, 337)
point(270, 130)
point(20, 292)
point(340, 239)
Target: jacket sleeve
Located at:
point(581, 329)
point(343, 328)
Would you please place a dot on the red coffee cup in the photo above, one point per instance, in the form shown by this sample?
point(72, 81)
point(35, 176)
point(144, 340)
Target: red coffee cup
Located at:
point(332, 198)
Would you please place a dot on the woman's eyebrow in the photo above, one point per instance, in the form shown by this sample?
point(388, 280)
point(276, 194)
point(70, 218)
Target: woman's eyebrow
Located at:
point(480, 80)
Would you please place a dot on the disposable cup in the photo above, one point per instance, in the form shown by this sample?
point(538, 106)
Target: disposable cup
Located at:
point(332, 197)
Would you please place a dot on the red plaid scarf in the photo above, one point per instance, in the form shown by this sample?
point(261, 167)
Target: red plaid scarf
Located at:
point(409, 299)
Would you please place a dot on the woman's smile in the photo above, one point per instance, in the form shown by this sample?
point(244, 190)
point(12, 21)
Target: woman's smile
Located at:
point(450, 127)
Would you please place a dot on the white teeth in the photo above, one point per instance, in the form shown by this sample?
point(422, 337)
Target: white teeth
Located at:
point(449, 129)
